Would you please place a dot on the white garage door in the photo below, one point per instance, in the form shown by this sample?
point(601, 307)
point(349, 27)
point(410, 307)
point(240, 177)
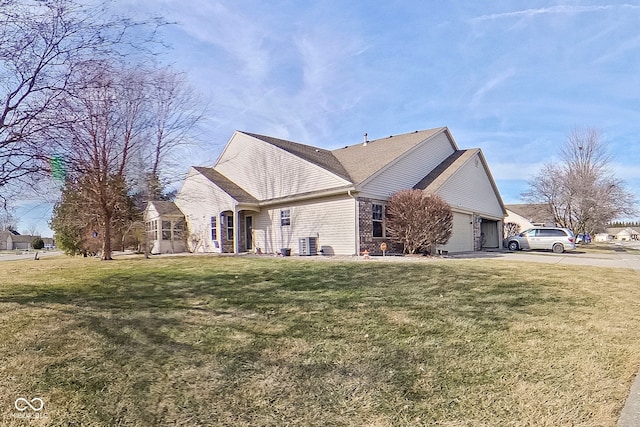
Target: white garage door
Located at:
point(462, 234)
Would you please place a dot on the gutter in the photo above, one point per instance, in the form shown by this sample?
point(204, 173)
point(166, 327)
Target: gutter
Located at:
point(357, 222)
point(307, 196)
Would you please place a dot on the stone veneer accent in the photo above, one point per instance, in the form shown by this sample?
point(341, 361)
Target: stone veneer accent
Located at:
point(227, 244)
point(477, 232)
point(365, 223)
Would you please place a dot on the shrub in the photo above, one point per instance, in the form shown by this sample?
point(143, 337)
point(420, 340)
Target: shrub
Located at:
point(37, 243)
point(419, 221)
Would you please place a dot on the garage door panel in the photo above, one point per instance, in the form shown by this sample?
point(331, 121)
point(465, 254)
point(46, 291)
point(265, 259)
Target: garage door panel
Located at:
point(462, 234)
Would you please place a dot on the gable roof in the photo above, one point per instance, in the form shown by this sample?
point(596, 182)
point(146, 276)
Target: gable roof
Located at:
point(445, 170)
point(362, 161)
point(318, 156)
point(532, 212)
point(22, 238)
point(441, 173)
point(228, 186)
point(166, 208)
point(628, 231)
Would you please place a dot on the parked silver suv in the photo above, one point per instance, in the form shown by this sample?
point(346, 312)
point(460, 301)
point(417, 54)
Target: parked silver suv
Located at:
point(556, 239)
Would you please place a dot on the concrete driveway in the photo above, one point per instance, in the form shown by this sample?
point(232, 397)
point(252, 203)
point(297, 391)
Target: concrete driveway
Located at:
point(616, 260)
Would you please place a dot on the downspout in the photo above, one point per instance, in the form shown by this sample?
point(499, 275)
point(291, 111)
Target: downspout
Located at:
point(236, 230)
point(220, 230)
point(357, 223)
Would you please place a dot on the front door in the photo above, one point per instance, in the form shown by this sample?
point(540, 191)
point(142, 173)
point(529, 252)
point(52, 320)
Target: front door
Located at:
point(248, 223)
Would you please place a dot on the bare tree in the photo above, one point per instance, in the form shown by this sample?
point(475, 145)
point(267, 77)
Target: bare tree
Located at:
point(42, 46)
point(174, 110)
point(33, 230)
point(8, 220)
point(581, 190)
point(107, 141)
point(104, 130)
point(511, 229)
point(418, 220)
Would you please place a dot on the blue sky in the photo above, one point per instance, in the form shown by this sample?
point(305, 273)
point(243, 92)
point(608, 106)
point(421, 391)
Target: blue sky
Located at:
point(511, 77)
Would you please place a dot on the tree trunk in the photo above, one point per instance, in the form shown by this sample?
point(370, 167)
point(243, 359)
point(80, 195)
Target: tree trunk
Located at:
point(106, 244)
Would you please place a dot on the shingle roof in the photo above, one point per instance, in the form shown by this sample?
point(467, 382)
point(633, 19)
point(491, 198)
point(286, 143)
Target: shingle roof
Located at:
point(22, 238)
point(362, 161)
point(533, 212)
point(441, 173)
point(228, 186)
point(318, 156)
point(166, 208)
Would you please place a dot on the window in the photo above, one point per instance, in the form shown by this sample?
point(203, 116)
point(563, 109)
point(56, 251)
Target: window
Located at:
point(166, 230)
point(229, 227)
point(152, 230)
point(378, 220)
point(214, 228)
point(551, 233)
point(178, 229)
point(285, 217)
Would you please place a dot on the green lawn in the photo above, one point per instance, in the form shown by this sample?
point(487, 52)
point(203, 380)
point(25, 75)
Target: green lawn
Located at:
point(206, 341)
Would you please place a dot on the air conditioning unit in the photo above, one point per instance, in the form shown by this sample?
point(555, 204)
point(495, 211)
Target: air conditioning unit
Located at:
point(308, 246)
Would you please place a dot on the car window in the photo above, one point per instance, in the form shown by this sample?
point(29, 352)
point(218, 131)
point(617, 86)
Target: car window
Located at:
point(551, 232)
point(530, 233)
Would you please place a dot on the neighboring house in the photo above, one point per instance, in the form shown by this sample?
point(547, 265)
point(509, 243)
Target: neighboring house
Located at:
point(627, 234)
point(165, 227)
point(603, 237)
point(12, 240)
point(266, 194)
point(525, 216)
point(5, 240)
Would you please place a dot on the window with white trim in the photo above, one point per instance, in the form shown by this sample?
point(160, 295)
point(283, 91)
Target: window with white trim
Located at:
point(178, 229)
point(230, 227)
point(214, 228)
point(285, 217)
point(377, 217)
point(166, 230)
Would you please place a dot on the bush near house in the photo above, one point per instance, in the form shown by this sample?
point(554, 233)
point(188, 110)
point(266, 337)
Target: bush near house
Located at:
point(37, 243)
point(419, 221)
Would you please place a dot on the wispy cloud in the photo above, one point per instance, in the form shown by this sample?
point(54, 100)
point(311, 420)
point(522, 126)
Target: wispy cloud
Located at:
point(491, 85)
point(553, 10)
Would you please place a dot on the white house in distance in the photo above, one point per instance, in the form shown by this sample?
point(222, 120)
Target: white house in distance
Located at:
point(266, 194)
point(525, 216)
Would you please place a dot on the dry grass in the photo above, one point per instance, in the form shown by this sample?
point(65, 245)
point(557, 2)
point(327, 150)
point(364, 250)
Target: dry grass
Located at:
point(227, 341)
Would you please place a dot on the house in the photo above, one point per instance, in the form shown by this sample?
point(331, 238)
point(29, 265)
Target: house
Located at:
point(12, 240)
point(268, 195)
point(525, 216)
point(603, 237)
point(627, 234)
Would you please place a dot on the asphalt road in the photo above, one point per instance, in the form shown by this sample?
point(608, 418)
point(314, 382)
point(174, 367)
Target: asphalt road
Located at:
point(17, 255)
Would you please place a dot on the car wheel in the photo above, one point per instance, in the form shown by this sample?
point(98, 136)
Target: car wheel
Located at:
point(513, 246)
point(558, 248)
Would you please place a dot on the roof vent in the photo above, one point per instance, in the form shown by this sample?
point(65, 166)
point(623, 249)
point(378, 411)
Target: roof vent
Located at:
point(366, 140)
